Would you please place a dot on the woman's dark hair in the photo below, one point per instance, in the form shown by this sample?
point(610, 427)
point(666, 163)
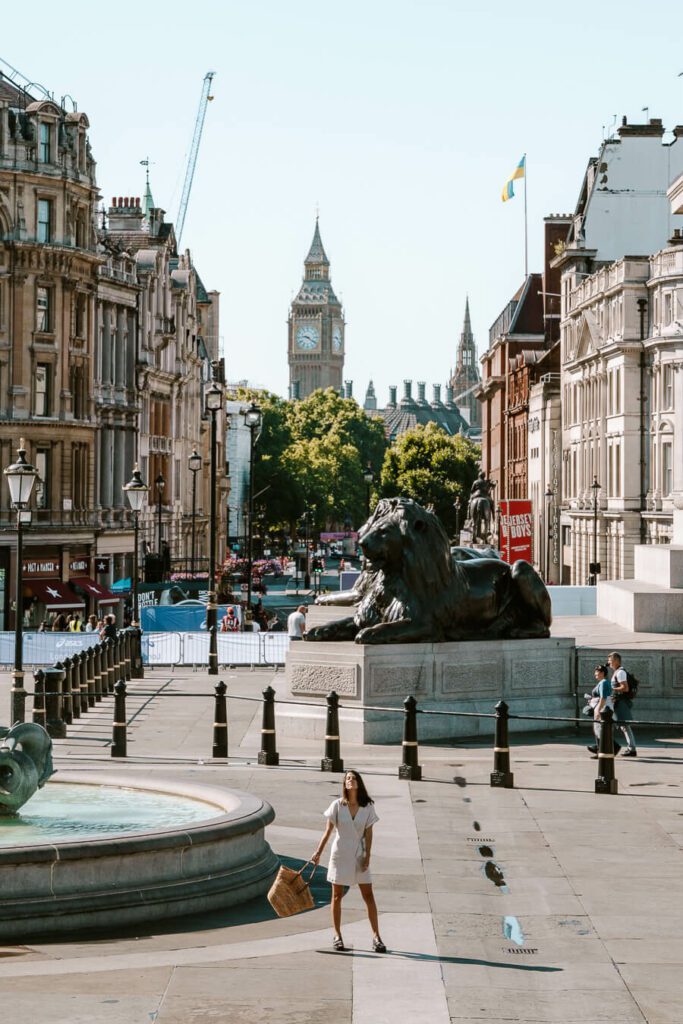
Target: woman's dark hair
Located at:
point(364, 797)
point(602, 668)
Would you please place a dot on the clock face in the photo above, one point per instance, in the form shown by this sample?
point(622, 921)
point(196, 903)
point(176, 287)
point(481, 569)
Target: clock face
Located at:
point(337, 339)
point(307, 336)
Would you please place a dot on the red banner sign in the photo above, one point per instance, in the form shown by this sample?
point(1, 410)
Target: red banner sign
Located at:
point(515, 530)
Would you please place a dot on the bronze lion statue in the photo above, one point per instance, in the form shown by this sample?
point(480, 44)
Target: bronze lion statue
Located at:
point(412, 591)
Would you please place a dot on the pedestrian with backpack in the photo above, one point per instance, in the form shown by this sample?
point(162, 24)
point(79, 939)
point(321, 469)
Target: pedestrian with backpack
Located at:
point(624, 688)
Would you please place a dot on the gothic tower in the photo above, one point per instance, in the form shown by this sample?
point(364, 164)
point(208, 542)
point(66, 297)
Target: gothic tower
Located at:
point(466, 374)
point(316, 328)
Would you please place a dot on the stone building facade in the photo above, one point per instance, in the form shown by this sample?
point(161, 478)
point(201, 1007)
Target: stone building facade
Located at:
point(107, 338)
point(621, 334)
point(48, 299)
point(160, 364)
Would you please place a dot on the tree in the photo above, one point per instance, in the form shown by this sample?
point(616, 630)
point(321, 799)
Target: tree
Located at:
point(431, 467)
point(312, 454)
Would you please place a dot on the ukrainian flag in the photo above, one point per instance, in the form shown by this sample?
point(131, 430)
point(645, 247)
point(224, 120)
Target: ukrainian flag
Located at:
point(519, 172)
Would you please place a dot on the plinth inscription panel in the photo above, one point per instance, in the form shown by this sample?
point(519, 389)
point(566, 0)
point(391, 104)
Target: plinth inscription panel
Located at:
point(319, 678)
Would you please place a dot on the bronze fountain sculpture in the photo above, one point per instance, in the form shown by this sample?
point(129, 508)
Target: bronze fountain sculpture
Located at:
point(411, 590)
point(25, 764)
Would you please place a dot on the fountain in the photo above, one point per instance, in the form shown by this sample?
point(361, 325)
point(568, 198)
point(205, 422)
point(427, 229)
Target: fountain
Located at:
point(108, 851)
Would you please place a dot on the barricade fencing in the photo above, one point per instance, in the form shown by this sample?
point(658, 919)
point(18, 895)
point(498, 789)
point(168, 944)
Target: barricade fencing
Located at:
point(42, 649)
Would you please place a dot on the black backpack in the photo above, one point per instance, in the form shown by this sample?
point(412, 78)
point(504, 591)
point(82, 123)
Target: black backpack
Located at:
point(633, 685)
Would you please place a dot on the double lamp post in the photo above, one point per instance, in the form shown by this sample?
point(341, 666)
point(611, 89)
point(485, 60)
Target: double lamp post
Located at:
point(21, 477)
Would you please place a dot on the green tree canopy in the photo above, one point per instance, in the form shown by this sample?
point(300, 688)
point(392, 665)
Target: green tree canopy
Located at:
point(312, 454)
point(431, 467)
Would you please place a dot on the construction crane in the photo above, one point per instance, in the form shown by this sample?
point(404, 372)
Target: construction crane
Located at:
point(194, 150)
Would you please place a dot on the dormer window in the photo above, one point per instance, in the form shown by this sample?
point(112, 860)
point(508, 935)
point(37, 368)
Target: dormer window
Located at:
point(44, 147)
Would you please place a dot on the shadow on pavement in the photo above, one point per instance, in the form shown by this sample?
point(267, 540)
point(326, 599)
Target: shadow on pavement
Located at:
point(402, 954)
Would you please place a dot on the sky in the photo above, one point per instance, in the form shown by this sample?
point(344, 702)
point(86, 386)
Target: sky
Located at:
point(399, 120)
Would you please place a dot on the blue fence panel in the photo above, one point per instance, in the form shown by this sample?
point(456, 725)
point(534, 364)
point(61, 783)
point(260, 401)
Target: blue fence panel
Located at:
point(162, 648)
point(45, 648)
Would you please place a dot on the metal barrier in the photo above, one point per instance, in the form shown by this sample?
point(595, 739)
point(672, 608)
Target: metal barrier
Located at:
point(43, 649)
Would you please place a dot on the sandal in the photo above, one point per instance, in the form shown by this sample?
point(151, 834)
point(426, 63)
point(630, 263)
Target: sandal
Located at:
point(338, 944)
point(378, 946)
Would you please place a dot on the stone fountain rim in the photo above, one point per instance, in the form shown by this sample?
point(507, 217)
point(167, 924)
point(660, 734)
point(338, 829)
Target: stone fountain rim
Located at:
point(251, 814)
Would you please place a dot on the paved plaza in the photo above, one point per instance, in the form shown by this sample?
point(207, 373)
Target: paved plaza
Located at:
point(545, 903)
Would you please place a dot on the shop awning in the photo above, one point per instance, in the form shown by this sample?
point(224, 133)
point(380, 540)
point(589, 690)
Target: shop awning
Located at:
point(94, 590)
point(54, 594)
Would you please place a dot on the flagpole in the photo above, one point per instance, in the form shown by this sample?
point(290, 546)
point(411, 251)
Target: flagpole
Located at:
point(525, 224)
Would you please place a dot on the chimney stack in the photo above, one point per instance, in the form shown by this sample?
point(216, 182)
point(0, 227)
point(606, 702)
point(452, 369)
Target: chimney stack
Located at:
point(392, 397)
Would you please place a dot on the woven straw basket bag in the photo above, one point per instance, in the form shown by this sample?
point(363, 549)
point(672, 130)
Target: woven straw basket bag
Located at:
point(290, 893)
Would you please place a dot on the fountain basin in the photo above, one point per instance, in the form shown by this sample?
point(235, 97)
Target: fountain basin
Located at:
point(83, 882)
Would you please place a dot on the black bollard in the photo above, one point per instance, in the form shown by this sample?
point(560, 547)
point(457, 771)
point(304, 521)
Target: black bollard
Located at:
point(83, 680)
point(606, 781)
point(118, 660)
point(410, 769)
point(136, 667)
point(39, 698)
point(73, 708)
point(97, 670)
point(125, 642)
point(501, 774)
point(90, 675)
point(65, 700)
point(332, 762)
point(111, 665)
point(55, 701)
point(220, 722)
point(268, 753)
point(119, 732)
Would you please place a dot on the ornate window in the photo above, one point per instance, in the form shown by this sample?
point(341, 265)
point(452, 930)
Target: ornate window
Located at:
point(44, 221)
point(44, 146)
point(44, 311)
point(41, 404)
point(42, 492)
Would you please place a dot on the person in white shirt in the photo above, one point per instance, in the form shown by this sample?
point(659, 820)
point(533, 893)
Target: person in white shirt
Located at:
point(296, 623)
point(623, 714)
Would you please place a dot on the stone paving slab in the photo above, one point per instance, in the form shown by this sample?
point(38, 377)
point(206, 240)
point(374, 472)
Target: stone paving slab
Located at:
point(593, 883)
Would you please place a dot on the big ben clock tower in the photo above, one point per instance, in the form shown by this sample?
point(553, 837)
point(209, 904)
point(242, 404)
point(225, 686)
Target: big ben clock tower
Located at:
point(316, 328)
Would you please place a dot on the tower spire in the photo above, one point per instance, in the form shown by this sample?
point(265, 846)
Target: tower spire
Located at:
point(316, 254)
point(148, 202)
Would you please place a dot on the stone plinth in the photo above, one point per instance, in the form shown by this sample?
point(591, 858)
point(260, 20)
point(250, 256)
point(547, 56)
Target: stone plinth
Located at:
point(652, 602)
point(533, 676)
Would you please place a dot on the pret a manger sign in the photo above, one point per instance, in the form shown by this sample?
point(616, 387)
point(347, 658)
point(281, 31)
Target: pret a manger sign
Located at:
point(515, 529)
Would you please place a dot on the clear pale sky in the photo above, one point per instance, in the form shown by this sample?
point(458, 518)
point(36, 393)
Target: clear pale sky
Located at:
point(402, 119)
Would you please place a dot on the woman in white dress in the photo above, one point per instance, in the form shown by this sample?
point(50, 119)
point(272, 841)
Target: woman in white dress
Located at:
point(351, 819)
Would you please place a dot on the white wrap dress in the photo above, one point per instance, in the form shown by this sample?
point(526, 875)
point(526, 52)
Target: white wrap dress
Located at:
point(348, 845)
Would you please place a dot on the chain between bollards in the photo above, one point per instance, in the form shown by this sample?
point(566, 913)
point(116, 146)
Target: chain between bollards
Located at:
point(220, 722)
point(332, 761)
point(119, 732)
point(410, 769)
point(268, 754)
point(606, 781)
point(501, 775)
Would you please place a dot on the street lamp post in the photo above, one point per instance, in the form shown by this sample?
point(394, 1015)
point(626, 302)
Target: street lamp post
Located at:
point(20, 478)
point(595, 565)
point(136, 491)
point(195, 464)
point(253, 419)
point(214, 402)
point(368, 479)
point(548, 531)
point(457, 505)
